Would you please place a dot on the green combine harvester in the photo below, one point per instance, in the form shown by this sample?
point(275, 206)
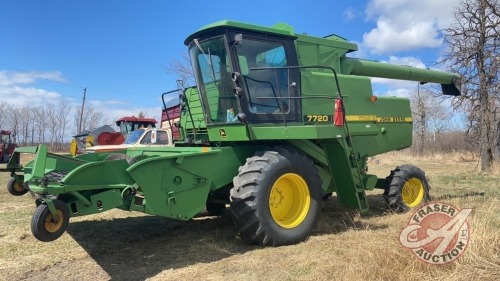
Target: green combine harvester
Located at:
point(278, 122)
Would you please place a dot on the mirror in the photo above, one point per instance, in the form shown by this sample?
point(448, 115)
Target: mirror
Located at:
point(153, 136)
point(238, 40)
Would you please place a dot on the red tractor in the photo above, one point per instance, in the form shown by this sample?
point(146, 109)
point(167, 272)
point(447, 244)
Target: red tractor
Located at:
point(6, 146)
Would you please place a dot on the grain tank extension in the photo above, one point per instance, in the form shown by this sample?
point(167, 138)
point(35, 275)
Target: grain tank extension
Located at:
point(278, 121)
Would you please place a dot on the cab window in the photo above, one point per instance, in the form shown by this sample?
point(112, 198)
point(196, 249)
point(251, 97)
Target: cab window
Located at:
point(162, 137)
point(265, 88)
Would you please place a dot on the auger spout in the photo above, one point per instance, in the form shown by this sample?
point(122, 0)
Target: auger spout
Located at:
point(450, 82)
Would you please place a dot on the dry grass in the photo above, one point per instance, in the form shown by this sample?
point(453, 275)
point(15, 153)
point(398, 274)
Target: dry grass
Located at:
point(346, 246)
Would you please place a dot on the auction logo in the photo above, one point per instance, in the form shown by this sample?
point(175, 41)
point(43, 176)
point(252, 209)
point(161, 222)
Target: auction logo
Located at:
point(437, 233)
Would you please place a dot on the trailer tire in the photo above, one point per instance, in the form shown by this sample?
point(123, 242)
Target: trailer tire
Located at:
point(276, 198)
point(15, 188)
point(407, 187)
point(42, 225)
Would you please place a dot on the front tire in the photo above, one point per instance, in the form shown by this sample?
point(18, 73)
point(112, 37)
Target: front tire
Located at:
point(407, 187)
point(43, 226)
point(15, 187)
point(276, 198)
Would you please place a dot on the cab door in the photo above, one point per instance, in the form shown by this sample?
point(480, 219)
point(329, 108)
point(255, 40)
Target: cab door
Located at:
point(271, 89)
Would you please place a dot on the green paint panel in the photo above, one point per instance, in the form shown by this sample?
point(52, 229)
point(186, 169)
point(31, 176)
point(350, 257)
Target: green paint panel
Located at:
point(100, 202)
point(178, 186)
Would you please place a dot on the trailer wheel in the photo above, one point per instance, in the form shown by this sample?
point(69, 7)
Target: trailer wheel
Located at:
point(276, 198)
point(43, 226)
point(15, 187)
point(407, 188)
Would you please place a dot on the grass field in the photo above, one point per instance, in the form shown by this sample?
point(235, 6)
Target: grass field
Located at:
point(120, 245)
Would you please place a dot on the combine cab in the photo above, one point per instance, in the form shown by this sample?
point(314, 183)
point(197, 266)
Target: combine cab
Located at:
point(278, 121)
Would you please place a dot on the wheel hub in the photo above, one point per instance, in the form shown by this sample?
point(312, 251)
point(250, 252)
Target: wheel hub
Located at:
point(51, 225)
point(289, 200)
point(18, 187)
point(413, 192)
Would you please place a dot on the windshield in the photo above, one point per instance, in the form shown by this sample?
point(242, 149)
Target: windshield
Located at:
point(125, 127)
point(134, 136)
point(213, 75)
point(5, 138)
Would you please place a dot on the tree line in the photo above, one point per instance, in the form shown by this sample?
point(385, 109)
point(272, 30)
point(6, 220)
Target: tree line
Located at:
point(52, 123)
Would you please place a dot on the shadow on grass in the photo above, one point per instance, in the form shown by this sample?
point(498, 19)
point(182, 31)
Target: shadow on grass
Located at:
point(451, 196)
point(137, 248)
point(337, 219)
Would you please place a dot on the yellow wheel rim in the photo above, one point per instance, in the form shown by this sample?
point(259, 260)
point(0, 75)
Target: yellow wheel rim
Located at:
point(289, 200)
point(413, 192)
point(18, 187)
point(50, 226)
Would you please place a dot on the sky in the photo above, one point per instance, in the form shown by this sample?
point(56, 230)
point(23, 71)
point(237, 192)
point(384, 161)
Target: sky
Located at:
point(119, 50)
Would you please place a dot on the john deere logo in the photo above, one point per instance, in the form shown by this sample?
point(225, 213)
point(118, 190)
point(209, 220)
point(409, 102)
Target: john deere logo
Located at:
point(437, 233)
point(222, 133)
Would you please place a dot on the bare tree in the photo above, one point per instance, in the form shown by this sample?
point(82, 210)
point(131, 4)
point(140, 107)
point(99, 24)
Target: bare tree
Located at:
point(52, 122)
point(91, 118)
point(430, 118)
point(25, 122)
point(472, 50)
point(40, 123)
point(182, 69)
point(62, 117)
point(419, 112)
point(4, 113)
point(14, 118)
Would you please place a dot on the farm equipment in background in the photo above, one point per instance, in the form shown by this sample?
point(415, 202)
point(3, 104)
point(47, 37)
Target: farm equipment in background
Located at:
point(7, 146)
point(106, 135)
point(169, 118)
point(279, 121)
point(146, 135)
point(142, 137)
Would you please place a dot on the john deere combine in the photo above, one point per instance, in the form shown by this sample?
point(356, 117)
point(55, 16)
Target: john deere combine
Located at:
point(278, 121)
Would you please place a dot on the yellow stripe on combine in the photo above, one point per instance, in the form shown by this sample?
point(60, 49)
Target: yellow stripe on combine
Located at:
point(360, 118)
point(374, 118)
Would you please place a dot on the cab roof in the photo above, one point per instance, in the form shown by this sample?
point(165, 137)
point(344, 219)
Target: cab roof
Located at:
point(278, 29)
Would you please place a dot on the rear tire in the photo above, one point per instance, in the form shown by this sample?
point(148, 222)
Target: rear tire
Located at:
point(407, 187)
point(15, 187)
point(43, 226)
point(276, 198)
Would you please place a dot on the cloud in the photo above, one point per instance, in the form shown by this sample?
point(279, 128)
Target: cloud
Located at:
point(349, 14)
point(8, 78)
point(407, 24)
point(16, 87)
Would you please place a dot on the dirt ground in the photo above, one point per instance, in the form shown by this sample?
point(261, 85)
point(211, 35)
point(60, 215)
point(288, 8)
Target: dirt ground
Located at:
point(119, 245)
